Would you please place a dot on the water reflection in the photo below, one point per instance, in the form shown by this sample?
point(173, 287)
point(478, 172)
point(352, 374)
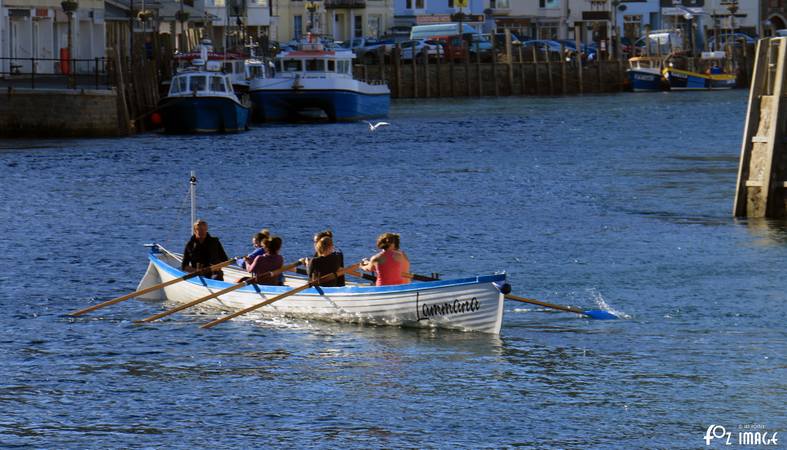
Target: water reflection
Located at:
point(768, 232)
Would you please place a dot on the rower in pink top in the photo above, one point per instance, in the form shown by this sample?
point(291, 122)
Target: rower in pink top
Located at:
point(391, 264)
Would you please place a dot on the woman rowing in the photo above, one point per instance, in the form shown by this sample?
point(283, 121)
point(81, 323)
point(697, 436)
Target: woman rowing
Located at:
point(268, 262)
point(326, 261)
point(391, 264)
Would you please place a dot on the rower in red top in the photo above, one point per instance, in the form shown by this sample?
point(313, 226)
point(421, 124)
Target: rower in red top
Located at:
point(391, 264)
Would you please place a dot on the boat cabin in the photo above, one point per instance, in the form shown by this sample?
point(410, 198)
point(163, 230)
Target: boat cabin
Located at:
point(645, 62)
point(200, 83)
point(312, 60)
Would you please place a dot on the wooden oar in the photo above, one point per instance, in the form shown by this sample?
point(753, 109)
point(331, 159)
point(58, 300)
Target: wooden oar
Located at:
point(324, 278)
point(153, 288)
point(270, 275)
point(598, 314)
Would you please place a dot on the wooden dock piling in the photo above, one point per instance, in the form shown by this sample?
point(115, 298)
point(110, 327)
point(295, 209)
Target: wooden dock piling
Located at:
point(762, 170)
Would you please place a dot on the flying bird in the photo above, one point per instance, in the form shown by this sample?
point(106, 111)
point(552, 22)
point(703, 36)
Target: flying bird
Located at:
point(374, 126)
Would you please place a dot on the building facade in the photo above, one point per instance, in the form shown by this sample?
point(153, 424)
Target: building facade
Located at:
point(238, 23)
point(773, 16)
point(337, 19)
point(38, 29)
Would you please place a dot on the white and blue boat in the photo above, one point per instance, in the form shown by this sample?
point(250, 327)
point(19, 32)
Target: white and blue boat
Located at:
point(202, 101)
point(467, 304)
point(240, 68)
point(314, 83)
point(644, 74)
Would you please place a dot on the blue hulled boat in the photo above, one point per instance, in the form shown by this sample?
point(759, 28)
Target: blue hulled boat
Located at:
point(709, 77)
point(644, 74)
point(314, 83)
point(201, 100)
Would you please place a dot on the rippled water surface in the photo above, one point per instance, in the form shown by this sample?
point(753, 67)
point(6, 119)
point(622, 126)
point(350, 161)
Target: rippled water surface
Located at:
point(622, 202)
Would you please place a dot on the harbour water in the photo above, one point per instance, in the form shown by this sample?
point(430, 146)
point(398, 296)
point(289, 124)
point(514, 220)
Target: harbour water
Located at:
point(620, 202)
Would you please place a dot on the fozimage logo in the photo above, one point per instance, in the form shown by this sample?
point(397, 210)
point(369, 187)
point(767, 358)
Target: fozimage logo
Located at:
point(748, 434)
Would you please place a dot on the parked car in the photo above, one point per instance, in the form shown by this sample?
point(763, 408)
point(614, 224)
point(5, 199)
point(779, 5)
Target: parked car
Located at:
point(544, 47)
point(588, 52)
point(433, 49)
point(366, 49)
point(500, 40)
point(454, 46)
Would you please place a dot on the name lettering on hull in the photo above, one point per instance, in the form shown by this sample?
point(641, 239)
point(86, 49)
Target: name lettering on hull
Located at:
point(458, 306)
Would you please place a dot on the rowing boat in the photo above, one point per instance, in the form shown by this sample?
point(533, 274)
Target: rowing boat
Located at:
point(467, 304)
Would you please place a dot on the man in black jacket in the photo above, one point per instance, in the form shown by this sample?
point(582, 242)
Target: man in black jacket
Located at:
point(203, 250)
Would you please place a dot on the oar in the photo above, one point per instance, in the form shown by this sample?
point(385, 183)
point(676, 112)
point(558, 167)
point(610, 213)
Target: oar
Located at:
point(324, 278)
point(598, 314)
point(153, 288)
point(234, 287)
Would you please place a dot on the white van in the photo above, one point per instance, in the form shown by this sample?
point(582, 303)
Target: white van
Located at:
point(440, 29)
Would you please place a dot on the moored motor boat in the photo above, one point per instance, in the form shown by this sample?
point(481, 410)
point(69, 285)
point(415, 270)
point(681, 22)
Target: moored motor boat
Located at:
point(644, 74)
point(467, 304)
point(316, 83)
point(711, 77)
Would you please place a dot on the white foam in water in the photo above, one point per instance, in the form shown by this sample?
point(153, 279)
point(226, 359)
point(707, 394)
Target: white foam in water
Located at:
point(602, 305)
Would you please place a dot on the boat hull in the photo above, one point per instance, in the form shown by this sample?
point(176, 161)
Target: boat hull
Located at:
point(645, 80)
point(470, 304)
point(339, 100)
point(684, 80)
point(203, 114)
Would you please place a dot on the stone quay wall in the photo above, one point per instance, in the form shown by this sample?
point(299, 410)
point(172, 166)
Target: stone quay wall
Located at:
point(58, 113)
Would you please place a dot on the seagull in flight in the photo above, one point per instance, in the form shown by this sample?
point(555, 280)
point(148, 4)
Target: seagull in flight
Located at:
point(374, 126)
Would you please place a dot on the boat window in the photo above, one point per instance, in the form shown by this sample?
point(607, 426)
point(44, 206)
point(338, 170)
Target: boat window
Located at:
point(292, 65)
point(331, 65)
point(254, 71)
point(315, 65)
point(217, 84)
point(227, 67)
point(238, 67)
point(179, 84)
point(344, 66)
point(198, 83)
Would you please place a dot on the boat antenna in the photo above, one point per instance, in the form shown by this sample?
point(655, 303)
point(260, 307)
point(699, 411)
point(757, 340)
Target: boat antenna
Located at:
point(193, 195)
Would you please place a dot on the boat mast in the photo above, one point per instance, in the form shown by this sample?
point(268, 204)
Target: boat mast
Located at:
point(193, 195)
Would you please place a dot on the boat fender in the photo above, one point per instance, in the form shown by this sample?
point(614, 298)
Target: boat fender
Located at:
point(504, 288)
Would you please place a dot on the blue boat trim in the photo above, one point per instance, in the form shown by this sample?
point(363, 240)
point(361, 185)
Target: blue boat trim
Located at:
point(266, 289)
point(319, 91)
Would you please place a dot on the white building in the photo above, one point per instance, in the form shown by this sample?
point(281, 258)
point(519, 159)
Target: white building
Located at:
point(254, 17)
point(38, 30)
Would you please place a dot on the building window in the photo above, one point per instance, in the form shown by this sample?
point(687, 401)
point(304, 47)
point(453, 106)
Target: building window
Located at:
point(450, 3)
point(419, 4)
point(297, 26)
point(375, 25)
point(549, 4)
point(632, 26)
point(358, 32)
point(498, 4)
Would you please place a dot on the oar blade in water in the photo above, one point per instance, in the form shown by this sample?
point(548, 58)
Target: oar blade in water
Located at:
point(600, 314)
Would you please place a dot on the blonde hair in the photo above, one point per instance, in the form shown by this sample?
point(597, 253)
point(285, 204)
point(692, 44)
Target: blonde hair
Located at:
point(322, 234)
point(323, 245)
